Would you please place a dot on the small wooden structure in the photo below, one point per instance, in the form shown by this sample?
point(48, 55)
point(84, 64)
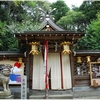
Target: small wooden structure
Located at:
point(86, 68)
point(66, 68)
point(60, 55)
point(95, 73)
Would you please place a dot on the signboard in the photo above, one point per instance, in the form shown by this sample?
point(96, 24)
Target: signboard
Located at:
point(23, 87)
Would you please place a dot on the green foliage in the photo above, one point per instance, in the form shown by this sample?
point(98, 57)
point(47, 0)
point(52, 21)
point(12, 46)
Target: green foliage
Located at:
point(2, 32)
point(45, 5)
point(2, 28)
point(20, 27)
point(17, 2)
point(9, 11)
point(92, 39)
point(3, 12)
point(61, 9)
point(14, 19)
point(90, 9)
point(75, 8)
point(72, 21)
point(7, 41)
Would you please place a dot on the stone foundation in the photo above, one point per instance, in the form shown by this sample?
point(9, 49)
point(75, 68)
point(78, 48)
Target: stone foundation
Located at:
point(6, 95)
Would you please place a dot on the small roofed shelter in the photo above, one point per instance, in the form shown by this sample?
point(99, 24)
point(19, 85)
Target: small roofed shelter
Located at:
point(86, 69)
point(59, 59)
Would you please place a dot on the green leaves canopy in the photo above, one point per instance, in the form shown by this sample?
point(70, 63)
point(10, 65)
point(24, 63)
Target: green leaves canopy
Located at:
point(90, 9)
point(92, 39)
point(72, 21)
point(61, 9)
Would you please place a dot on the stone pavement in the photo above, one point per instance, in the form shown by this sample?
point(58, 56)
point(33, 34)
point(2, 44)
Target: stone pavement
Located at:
point(75, 93)
point(86, 94)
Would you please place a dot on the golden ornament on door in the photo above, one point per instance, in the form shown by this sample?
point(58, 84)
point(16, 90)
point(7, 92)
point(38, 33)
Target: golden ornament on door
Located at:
point(20, 60)
point(66, 49)
point(34, 48)
point(88, 58)
point(79, 60)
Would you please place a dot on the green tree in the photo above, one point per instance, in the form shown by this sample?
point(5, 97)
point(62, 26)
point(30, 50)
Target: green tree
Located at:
point(90, 9)
point(61, 9)
point(75, 8)
point(2, 33)
point(92, 39)
point(73, 21)
point(9, 11)
point(17, 17)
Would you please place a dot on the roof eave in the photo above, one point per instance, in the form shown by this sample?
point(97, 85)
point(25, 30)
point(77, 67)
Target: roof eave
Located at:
point(87, 52)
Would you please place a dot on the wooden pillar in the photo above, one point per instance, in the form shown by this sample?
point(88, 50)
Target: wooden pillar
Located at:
point(29, 67)
point(62, 80)
point(72, 68)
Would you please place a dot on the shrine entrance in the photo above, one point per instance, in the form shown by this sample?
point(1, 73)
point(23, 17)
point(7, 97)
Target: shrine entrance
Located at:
point(58, 69)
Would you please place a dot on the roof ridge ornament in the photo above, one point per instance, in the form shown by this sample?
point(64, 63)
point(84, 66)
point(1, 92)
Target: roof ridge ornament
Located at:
point(47, 19)
point(47, 14)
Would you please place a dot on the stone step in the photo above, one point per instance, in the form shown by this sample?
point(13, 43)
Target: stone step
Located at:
point(50, 92)
point(88, 97)
point(67, 96)
point(6, 97)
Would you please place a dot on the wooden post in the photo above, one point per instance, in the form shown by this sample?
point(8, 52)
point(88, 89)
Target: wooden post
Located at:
point(46, 67)
point(90, 72)
point(62, 80)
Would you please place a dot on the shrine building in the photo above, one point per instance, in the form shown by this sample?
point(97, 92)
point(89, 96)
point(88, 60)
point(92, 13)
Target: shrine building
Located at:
point(49, 60)
point(60, 61)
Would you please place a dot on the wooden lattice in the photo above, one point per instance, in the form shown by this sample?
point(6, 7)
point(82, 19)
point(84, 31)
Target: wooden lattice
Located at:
point(81, 68)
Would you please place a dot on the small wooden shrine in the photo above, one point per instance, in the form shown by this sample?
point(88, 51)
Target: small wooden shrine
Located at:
point(59, 54)
point(86, 68)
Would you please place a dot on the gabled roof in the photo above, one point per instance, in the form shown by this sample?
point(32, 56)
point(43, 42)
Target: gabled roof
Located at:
point(51, 24)
point(48, 23)
point(49, 31)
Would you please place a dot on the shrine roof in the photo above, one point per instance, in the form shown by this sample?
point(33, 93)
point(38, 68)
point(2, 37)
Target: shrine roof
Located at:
point(11, 53)
point(87, 52)
point(48, 27)
point(49, 35)
point(51, 32)
point(51, 24)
